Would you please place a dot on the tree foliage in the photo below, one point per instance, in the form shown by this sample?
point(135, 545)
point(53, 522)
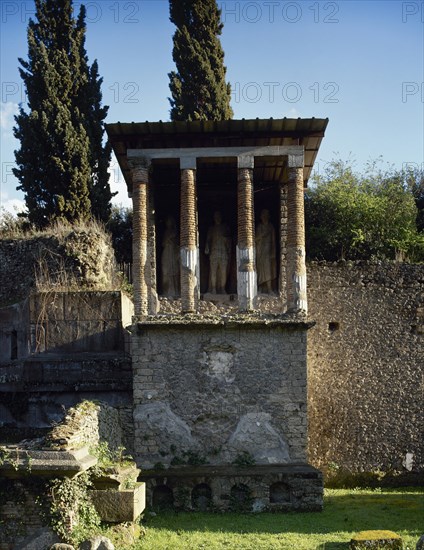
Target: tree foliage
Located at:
point(361, 216)
point(415, 182)
point(120, 228)
point(62, 163)
point(198, 87)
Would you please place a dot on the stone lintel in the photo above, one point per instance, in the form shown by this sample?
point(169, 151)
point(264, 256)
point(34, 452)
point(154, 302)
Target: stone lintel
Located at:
point(209, 152)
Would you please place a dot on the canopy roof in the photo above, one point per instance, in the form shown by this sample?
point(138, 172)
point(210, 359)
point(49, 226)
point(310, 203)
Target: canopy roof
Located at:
point(226, 133)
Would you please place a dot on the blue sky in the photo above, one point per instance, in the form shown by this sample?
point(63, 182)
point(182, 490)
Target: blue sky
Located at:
point(359, 63)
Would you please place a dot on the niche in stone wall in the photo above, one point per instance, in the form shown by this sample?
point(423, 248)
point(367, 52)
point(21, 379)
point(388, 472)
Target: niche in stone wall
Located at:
point(162, 497)
point(201, 497)
point(217, 219)
point(240, 496)
point(165, 178)
point(13, 345)
point(333, 326)
point(279, 493)
point(267, 234)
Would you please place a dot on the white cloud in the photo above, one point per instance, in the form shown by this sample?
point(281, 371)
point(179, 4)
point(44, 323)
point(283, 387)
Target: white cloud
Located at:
point(12, 205)
point(117, 183)
point(292, 113)
point(7, 112)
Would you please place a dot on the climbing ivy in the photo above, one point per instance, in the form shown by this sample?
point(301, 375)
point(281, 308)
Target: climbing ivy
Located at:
point(73, 515)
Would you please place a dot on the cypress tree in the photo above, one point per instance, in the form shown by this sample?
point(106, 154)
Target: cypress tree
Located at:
point(94, 117)
point(198, 87)
point(60, 162)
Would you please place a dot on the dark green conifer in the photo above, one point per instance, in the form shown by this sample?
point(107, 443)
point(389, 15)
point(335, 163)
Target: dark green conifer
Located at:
point(60, 159)
point(94, 116)
point(198, 87)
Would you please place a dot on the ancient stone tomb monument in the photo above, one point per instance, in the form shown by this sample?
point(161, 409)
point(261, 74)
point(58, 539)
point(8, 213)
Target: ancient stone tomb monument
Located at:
point(220, 328)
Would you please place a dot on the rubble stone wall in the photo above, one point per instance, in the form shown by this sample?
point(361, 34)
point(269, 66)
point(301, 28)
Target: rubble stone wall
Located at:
point(65, 322)
point(365, 366)
point(214, 393)
point(87, 424)
point(20, 514)
point(75, 257)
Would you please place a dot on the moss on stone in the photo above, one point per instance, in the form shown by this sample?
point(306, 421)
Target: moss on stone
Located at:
point(376, 539)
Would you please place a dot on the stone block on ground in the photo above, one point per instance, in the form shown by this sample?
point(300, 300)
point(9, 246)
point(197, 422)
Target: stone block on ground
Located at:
point(376, 539)
point(120, 506)
point(62, 546)
point(127, 534)
point(97, 543)
point(40, 540)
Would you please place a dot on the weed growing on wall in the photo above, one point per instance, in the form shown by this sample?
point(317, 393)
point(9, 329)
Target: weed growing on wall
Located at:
point(189, 457)
point(15, 458)
point(244, 459)
point(111, 457)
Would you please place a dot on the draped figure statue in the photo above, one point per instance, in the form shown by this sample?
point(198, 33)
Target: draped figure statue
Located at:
point(218, 248)
point(170, 259)
point(265, 253)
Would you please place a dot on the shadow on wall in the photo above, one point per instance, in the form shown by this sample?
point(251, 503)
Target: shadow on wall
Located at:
point(65, 322)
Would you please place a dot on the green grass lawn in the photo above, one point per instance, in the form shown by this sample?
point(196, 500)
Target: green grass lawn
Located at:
point(345, 513)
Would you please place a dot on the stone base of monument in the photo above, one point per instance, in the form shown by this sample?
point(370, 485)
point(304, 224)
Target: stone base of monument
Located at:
point(277, 487)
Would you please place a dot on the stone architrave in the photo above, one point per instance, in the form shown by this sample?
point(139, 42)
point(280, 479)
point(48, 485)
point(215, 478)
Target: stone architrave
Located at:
point(246, 268)
point(296, 260)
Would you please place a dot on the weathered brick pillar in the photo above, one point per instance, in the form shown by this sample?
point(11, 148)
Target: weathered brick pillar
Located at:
point(296, 265)
point(246, 268)
point(283, 242)
point(189, 248)
point(140, 175)
point(151, 253)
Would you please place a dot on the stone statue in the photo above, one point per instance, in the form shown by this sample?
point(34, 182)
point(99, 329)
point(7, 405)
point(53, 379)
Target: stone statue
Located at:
point(170, 260)
point(265, 253)
point(218, 248)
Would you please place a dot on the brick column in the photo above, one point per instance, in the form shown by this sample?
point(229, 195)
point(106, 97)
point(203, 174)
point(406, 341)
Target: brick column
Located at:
point(189, 247)
point(246, 268)
point(140, 175)
point(296, 266)
point(283, 242)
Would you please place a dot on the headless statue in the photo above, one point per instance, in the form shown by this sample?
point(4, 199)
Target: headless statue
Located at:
point(170, 260)
point(265, 253)
point(218, 248)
